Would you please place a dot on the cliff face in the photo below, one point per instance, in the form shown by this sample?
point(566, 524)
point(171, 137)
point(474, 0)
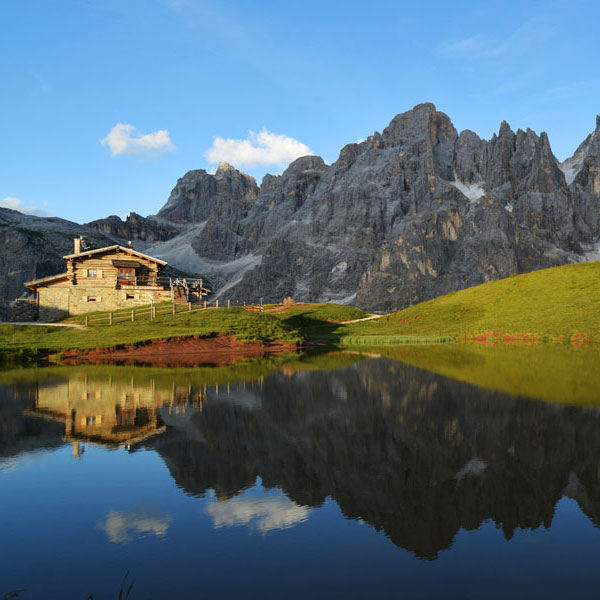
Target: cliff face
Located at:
point(411, 213)
point(135, 227)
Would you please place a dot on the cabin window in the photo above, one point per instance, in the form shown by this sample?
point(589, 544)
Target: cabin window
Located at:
point(92, 273)
point(126, 273)
point(90, 420)
point(94, 298)
point(129, 296)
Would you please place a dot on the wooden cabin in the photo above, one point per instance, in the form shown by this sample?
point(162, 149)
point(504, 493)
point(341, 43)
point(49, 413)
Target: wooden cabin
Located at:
point(107, 278)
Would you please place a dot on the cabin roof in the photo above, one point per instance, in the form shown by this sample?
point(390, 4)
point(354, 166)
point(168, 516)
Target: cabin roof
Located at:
point(130, 251)
point(37, 282)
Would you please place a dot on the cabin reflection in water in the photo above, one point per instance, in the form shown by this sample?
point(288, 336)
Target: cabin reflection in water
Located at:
point(111, 411)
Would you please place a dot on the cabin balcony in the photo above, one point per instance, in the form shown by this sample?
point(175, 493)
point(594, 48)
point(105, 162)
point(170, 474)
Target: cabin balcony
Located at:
point(146, 282)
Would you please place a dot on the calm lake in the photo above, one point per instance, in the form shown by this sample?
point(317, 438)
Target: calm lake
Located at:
point(402, 473)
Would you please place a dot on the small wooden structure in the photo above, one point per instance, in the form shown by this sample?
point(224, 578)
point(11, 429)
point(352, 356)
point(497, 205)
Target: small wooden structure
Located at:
point(109, 278)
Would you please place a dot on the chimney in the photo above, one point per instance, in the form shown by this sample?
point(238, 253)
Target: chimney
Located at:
point(77, 245)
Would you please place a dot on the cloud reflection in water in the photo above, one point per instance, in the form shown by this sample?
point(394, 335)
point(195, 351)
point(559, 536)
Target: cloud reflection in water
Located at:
point(124, 527)
point(260, 514)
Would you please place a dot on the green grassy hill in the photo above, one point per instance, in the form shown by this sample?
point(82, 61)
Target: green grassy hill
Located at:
point(561, 301)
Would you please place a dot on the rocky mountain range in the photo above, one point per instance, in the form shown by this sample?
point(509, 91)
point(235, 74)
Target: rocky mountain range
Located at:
point(411, 213)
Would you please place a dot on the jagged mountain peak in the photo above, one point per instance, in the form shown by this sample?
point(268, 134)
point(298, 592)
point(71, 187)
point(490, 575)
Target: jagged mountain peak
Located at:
point(224, 167)
point(421, 120)
point(505, 130)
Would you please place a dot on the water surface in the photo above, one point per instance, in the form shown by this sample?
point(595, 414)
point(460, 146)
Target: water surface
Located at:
point(369, 477)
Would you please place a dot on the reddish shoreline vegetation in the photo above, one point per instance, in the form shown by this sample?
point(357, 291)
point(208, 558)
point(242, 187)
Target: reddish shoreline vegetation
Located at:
point(216, 350)
point(492, 338)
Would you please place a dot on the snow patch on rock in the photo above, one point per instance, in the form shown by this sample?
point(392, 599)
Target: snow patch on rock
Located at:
point(572, 166)
point(591, 252)
point(473, 191)
point(348, 299)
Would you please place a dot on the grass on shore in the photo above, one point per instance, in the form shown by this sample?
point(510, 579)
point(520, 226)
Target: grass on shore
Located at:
point(243, 325)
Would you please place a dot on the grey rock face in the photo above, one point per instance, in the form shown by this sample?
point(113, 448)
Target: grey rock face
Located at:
point(135, 227)
point(409, 214)
point(198, 195)
point(413, 212)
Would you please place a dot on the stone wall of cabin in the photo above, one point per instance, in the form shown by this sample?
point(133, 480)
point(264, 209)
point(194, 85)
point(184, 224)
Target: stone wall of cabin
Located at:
point(60, 302)
point(111, 299)
point(53, 303)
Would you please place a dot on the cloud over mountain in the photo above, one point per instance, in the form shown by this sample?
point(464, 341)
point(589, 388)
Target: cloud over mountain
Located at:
point(123, 138)
point(258, 149)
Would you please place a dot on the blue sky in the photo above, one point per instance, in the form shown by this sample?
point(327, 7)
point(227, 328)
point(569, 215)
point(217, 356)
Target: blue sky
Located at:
point(106, 103)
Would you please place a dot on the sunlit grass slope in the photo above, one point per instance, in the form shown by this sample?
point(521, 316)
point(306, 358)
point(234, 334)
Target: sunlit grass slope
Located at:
point(550, 302)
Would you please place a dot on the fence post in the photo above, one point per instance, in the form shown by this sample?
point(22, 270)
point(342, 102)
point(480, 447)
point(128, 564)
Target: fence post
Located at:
point(132, 314)
point(173, 307)
point(205, 304)
point(216, 304)
point(86, 321)
point(110, 318)
point(151, 309)
point(189, 307)
point(228, 303)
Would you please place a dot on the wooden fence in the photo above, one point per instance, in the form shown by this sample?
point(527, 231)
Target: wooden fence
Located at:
point(150, 312)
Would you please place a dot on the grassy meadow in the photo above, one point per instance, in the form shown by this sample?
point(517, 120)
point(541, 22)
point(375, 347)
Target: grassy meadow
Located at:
point(561, 301)
point(558, 304)
point(243, 325)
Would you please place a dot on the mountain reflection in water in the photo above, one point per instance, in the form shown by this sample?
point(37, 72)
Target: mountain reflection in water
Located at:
point(412, 454)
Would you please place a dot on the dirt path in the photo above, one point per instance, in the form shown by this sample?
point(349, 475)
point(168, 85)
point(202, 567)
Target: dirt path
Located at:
point(363, 319)
point(71, 325)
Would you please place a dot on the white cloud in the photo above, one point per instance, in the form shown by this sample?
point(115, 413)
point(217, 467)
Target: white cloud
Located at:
point(25, 207)
point(259, 149)
point(123, 527)
point(263, 514)
point(123, 138)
